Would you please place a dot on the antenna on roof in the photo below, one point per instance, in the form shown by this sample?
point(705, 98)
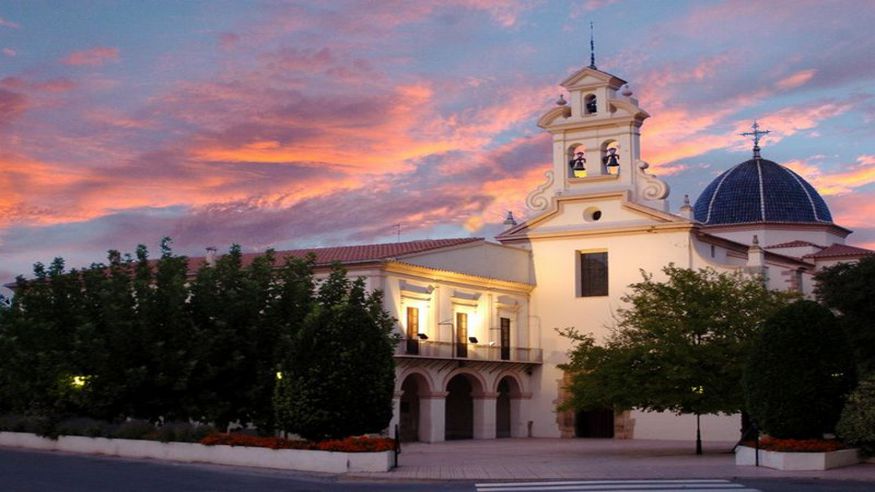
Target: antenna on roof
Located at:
point(398, 232)
point(591, 47)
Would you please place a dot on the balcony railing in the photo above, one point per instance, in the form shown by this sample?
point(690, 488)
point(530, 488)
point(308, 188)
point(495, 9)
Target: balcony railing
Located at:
point(475, 351)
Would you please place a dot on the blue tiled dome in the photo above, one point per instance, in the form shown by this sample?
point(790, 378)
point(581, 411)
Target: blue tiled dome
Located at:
point(760, 190)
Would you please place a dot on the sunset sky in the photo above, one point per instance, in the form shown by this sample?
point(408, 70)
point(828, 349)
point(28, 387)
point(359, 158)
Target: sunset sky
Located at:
point(297, 124)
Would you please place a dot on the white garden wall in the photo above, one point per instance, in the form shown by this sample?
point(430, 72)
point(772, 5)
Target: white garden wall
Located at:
point(287, 459)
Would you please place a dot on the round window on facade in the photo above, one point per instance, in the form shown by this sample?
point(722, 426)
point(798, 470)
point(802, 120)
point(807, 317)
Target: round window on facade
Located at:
point(592, 214)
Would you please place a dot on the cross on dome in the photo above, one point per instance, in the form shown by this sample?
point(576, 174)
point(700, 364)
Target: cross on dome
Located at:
point(756, 134)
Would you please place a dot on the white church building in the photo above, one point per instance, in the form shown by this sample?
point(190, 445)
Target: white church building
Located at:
point(480, 354)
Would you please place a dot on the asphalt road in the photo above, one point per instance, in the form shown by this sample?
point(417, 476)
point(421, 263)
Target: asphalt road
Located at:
point(39, 471)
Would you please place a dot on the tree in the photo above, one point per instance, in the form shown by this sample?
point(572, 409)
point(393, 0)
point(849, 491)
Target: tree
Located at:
point(339, 378)
point(678, 346)
point(856, 426)
point(849, 288)
point(798, 372)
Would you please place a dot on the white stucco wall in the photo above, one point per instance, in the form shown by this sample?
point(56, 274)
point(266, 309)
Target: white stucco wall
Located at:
point(555, 304)
point(483, 259)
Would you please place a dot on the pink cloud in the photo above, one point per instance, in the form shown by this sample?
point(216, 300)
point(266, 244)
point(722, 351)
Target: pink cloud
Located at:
point(852, 176)
point(10, 24)
point(12, 104)
point(795, 80)
point(853, 210)
point(792, 120)
point(506, 13)
point(51, 86)
point(9, 52)
point(93, 57)
point(228, 40)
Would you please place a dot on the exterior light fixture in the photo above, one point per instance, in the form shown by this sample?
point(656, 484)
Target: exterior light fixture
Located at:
point(78, 382)
point(279, 375)
point(422, 336)
point(472, 339)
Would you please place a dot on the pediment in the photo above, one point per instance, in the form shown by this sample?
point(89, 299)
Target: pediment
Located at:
point(570, 214)
point(588, 77)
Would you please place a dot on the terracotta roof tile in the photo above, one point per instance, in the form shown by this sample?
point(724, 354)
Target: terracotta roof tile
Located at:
point(360, 254)
point(794, 244)
point(840, 250)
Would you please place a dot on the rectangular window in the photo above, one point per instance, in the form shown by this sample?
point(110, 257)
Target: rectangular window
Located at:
point(593, 274)
point(505, 338)
point(461, 335)
point(413, 331)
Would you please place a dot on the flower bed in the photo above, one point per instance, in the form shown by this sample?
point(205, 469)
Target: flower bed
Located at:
point(310, 458)
point(349, 445)
point(794, 454)
point(797, 445)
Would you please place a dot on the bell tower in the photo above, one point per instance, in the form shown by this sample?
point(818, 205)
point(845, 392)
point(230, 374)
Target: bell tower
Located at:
point(596, 142)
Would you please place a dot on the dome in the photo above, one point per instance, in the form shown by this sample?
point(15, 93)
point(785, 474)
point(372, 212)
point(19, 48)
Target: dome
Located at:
point(760, 190)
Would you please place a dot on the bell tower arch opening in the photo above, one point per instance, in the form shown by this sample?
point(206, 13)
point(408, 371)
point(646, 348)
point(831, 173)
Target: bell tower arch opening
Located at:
point(577, 161)
point(610, 157)
point(590, 104)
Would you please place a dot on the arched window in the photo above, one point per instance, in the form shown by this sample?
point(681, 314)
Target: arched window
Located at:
point(590, 105)
point(577, 161)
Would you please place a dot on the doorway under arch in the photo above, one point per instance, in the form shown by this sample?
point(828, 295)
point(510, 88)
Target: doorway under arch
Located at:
point(506, 407)
point(410, 418)
point(594, 423)
point(459, 408)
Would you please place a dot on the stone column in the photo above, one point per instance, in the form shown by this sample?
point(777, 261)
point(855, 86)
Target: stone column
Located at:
point(396, 413)
point(432, 417)
point(484, 415)
point(519, 415)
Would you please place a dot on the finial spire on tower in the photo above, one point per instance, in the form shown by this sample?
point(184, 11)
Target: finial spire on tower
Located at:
point(756, 134)
point(591, 47)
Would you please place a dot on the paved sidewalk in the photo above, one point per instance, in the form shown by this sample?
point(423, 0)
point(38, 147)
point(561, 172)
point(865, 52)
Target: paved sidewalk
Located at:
point(535, 459)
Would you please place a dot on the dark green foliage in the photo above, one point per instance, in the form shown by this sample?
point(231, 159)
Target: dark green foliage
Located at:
point(856, 426)
point(339, 378)
point(26, 423)
point(798, 373)
point(850, 289)
point(143, 339)
point(133, 429)
point(679, 345)
point(84, 426)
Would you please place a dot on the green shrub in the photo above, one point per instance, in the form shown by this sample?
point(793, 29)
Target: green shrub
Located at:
point(798, 373)
point(83, 426)
point(135, 429)
point(183, 432)
point(857, 423)
point(24, 423)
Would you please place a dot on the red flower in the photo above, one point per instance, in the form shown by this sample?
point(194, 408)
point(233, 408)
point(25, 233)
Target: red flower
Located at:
point(798, 445)
point(348, 445)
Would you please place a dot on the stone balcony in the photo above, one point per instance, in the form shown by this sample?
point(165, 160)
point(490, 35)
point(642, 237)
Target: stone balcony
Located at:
point(463, 352)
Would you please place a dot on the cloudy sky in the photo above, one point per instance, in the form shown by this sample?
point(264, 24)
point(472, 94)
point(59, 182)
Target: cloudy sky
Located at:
point(295, 124)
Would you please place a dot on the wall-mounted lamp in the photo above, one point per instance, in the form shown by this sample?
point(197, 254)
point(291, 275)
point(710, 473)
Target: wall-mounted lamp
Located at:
point(422, 336)
point(472, 339)
point(492, 343)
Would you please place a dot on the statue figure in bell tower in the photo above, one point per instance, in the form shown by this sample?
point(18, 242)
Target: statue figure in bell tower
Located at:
point(578, 165)
point(612, 161)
